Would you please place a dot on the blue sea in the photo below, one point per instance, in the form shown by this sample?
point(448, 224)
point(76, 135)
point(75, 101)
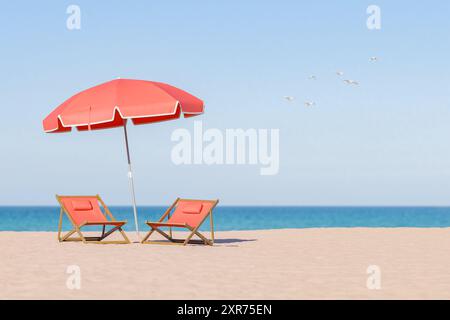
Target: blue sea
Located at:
point(249, 218)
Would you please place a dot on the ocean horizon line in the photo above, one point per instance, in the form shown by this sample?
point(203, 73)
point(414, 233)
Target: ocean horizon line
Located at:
point(45, 218)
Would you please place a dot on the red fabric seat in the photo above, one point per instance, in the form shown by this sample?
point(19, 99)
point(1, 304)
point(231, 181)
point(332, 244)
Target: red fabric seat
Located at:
point(190, 212)
point(83, 209)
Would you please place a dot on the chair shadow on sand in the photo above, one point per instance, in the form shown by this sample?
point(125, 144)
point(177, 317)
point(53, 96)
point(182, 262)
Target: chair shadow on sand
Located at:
point(232, 241)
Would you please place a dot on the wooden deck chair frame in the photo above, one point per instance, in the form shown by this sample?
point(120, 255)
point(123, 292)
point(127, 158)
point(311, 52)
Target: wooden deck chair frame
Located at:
point(77, 228)
point(194, 231)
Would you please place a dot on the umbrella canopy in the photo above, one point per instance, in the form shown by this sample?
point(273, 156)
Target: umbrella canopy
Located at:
point(111, 104)
point(108, 104)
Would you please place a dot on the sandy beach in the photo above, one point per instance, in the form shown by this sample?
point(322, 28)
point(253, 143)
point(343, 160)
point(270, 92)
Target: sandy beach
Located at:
point(269, 264)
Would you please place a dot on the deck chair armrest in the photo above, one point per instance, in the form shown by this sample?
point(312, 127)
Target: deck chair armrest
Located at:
point(166, 224)
point(103, 223)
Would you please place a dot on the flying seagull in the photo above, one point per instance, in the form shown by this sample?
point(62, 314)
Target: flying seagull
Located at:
point(289, 98)
point(312, 77)
point(374, 59)
point(340, 73)
point(351, 82)
point(310, 103)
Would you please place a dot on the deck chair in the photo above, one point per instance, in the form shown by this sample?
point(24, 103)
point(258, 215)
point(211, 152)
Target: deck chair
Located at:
point(85, 211)
point(187, 214)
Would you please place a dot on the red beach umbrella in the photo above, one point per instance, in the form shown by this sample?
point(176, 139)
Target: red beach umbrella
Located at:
point(113, 103)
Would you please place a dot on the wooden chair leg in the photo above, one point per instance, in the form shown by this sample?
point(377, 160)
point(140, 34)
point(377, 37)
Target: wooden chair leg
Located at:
point(124, 235)
point(189, 236)
point(80, 234)
point(212, 226)
point(67, 235)
point(60, 224)
point(71, 232)
point(104, 235)
point(165, 235)
point(117, 228)
point(205, 240)
point(103, 232)
point(148, 235)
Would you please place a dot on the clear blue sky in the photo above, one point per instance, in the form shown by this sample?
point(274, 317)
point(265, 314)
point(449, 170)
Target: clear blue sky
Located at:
point(385, 142)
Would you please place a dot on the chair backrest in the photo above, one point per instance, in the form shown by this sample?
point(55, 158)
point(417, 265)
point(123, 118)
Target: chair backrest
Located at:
point(82, 209)
point(192, 212)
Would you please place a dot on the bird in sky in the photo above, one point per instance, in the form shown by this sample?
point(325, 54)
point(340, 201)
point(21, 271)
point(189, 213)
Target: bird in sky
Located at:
point(289, 98)
point(340, 73)
point(351, 82)
point(310, 103)
point(373, 59)
point(313, 77)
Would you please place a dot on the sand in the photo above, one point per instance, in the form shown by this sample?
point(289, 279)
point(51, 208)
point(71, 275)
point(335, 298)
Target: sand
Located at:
point(269, 264)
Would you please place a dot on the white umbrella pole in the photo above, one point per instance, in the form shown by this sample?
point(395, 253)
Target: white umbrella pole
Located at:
point(130, 177)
